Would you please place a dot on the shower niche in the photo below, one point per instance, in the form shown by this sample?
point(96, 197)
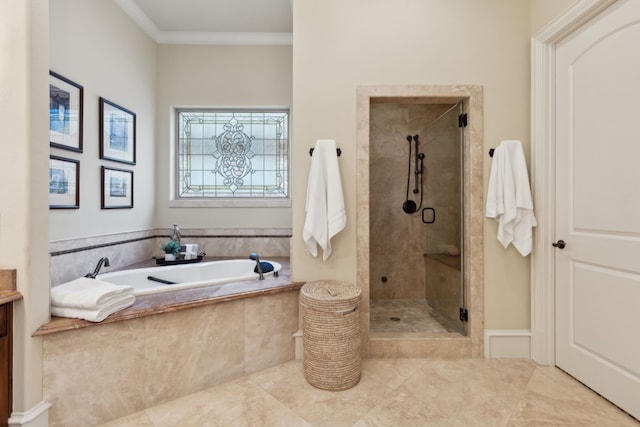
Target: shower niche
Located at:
point(421, 261)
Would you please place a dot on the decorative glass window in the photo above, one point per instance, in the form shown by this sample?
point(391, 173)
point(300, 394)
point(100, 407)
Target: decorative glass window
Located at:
point(241, 154)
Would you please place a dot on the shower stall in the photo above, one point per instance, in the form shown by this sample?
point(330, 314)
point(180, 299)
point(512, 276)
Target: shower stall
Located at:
point(416, 219)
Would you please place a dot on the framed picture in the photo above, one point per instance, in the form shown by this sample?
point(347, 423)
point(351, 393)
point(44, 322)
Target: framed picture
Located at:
point(117, 188)
point(64, 183)
point(117, 133)
point(65, 113)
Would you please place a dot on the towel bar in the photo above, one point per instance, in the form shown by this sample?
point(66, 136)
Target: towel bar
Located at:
point(338, 151)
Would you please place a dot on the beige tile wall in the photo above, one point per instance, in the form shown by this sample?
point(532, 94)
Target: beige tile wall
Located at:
point(93, 375)
point(74, 258)
point(398, 239)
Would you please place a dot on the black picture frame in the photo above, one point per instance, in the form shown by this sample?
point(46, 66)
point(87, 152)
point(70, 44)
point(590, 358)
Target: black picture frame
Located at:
point(116, 188)
point(66, 99)
point(64, 183)
point(117, 133)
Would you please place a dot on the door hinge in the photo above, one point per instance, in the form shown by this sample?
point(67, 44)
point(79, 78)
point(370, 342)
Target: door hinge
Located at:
point(464, 314)
point(462, 120)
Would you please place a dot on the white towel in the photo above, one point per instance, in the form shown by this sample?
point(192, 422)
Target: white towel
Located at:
point(97, 314)
point(509, 197)
point(87, 293)
point(325, 213)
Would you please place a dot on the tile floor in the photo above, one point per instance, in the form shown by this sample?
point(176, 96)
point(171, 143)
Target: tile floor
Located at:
point(395, 392)
point(409, 316)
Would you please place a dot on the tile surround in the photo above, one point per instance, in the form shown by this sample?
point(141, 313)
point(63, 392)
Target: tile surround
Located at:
point(146, 359)
point(74, 258)
point(93, 375)
point(473, 221)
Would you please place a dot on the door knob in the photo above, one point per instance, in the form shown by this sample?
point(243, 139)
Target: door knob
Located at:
point(560, 244)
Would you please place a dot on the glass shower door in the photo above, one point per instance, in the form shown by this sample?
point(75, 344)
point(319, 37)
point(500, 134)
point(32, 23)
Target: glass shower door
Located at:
point(443, 217)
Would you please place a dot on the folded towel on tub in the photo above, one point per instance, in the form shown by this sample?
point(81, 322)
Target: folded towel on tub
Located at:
point(87, 293)
point(98, 314)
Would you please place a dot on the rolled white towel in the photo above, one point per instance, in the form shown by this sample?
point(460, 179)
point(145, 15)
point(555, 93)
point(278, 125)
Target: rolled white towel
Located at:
point(95, 315)
point(87, 293)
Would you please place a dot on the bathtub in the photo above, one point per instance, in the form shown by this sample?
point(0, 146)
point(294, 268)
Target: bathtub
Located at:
point(153, 280)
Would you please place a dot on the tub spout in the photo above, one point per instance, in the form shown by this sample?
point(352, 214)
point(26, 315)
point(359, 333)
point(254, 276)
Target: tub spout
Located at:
point(104, 261)
point(254, 256)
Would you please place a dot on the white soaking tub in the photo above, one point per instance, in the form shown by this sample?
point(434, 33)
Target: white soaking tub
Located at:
point(153, 280)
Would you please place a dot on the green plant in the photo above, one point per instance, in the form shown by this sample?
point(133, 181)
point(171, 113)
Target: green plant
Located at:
point(171, 247)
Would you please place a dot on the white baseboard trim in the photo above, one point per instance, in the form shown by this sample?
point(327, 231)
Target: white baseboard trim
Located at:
point(38, 416)
point(507, 343)
point(299, 348)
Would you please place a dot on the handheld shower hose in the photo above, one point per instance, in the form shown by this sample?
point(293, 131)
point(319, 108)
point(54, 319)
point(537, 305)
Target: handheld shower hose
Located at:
point(409, 206)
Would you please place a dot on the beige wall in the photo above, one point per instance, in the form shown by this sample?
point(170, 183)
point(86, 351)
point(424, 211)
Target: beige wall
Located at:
point(545, 11)
point(217, 76)
point(341, 45)
point(23, 194)
point(95, 44)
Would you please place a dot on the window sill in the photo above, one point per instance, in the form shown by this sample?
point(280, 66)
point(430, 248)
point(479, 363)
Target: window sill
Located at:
point(228, 203)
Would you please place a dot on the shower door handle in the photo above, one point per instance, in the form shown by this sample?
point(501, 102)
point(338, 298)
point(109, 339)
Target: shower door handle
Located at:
point(433, 215)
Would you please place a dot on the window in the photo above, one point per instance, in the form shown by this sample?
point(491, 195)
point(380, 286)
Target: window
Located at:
point(224, 154)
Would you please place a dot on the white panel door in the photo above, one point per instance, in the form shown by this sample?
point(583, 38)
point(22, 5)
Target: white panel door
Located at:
point(598, 204)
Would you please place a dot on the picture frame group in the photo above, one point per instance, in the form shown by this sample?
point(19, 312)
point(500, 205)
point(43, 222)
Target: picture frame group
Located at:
point(117, 143)
point(116, 188)
point(117, 133)
point(64, 183)
point(66, 100)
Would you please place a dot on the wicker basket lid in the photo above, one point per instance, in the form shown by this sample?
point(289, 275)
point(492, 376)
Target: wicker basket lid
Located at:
point(330, 294)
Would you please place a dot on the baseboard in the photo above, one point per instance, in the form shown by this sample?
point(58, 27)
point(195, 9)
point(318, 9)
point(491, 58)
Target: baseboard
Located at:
point(38, 416)
point(299, 347)
point(507, 343)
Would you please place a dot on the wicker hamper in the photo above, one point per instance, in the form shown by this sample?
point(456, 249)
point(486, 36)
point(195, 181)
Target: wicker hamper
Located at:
point(331, 334)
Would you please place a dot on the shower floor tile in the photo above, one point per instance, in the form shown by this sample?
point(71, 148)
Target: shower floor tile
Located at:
point(403, 316)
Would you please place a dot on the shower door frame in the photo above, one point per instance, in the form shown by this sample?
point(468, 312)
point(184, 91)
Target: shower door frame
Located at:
point(472, 344)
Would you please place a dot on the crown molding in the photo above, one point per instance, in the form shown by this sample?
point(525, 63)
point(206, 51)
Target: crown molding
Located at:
point(249, 38)
point(139, 17)
point(202, 38)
